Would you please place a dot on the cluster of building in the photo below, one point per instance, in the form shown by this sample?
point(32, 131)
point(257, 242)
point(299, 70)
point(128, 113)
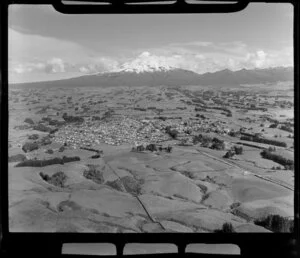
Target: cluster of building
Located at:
point(126, 130)
point(114, 132)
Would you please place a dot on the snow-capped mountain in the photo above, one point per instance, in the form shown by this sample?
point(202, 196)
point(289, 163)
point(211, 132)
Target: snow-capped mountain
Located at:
point(152, 70)
point(146, 63)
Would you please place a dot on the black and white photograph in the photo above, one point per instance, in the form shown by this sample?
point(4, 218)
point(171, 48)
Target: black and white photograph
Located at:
point(153, 123)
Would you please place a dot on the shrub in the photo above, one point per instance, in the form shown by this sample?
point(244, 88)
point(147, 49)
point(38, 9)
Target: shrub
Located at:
point(204, 140)
point(58, 179)
point(61, 149)
point(276, 223)
point(29, 121)
point(42, 128)
point(33, 137)
point(238, 150)
point(226, 228)
point(218, 146)
point(151, 147)
point(228, 154)
point(17, 158)
point(49, 151)
point(30, 146)
point(94, 174)
point(46, 140)
point(96, 156)
point(172, 132)
point(72, 119)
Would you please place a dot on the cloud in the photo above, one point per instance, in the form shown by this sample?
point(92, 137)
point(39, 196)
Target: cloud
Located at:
point(55, 65)
point(99, 65)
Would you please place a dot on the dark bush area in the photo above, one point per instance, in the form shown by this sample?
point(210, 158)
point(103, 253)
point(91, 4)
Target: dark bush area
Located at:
point(33, 137)
point(217, 144)
point(152, 147)
point(46, 140)
point(172, 132)
point(287, 163)
point(131, 185)
point(229, 154)
point(238, 150)
point(96, 156)
point(226, 228)
point(47, 162)
point(287, 128)
point(140, 109)
point(58, 179)
point(273, 125)
point(95, 118)
point(276, 223)
point(29, 121)
point(117, 185)
point(205, 141)
point(49, 151)
point(61, 149)
point(30, 146)
point(72, 119)
point(17, 158)
point(93, 173)
point(262, 140)
point(42, 128)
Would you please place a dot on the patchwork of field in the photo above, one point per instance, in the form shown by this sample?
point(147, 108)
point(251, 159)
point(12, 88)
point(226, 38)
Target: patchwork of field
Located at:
point(112, 186)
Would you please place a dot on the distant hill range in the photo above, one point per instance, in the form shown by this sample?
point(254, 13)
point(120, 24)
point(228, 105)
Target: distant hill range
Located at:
point(156, 76)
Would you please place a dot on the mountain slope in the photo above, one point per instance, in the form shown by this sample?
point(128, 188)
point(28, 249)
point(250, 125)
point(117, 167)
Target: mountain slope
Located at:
point(169, 76)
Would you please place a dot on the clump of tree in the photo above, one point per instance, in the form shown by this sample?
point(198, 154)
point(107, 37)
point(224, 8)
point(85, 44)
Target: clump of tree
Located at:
point(276, 223)
point(238, 150)
point(131, 185)
point(172, 132)
point(29, 121)
point(217, 144)
point(116, 184)
point(226, 228)
point(46, 140)
point(58, 179)
point(287, 128)
point(30, 146)
point(274, 125)
point(96, 118)
point(287, 163)
point(235, 150)
point(17, 158)
point(234, 133)
point(263, 140)
point(42, 128)
point(72, 119)
point(94, 174)
point(201, 116)
point(152, 147)
point(204, 140)
point(47, 162)
point(49, 151)
point(33, 137)
point(61, 149)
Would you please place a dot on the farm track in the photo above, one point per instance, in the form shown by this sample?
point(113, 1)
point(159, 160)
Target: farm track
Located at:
point(138, 199)
point(233, 164)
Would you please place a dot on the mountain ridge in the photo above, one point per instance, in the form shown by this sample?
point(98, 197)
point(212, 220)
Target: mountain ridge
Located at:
point(171, 76)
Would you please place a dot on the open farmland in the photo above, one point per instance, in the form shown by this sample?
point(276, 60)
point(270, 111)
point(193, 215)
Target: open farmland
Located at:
point(148, 159)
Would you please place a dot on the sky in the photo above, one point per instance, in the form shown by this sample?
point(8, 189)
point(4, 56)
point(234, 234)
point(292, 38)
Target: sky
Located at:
point(47, 45)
